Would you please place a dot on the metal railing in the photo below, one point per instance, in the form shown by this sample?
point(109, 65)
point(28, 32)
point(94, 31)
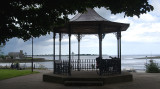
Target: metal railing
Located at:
point(84, 64)
point(109, 66)
point(102, 67)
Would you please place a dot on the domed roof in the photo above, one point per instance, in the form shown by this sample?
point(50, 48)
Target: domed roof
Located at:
point(89, 15)
point(90, 22)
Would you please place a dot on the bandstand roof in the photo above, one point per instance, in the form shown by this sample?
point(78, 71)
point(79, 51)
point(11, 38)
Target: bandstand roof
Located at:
point(91, 22)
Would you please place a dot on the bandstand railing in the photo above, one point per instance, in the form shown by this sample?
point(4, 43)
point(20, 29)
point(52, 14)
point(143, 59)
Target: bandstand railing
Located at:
point(83, 65)
point(102, 67)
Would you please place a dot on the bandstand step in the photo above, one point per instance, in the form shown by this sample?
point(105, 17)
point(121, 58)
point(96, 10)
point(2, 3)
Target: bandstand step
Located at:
point(83, 83)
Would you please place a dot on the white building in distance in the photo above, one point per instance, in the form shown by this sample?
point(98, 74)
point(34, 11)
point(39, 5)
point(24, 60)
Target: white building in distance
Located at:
point(16, 55)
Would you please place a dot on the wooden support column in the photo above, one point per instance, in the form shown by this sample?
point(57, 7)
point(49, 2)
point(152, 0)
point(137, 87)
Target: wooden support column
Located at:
point(79, 38)
point(100, 46)
point(117, 35)
point(120, 49)
point(60, 38)
point(54, 36)
point(100, 42)
point(78, 49)
point(69, 72)
point(69, 65)
point(100, 49)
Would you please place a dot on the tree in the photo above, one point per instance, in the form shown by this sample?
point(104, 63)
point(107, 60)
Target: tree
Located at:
point(27, 18)
point(1, 52)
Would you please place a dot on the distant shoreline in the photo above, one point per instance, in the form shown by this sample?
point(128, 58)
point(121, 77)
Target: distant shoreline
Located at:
point(28, 59)
point(24, 60)
point(156, 57)
point(66, 55)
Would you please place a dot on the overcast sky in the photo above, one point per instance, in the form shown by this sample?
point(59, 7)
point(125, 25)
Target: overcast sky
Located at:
point(142, 37)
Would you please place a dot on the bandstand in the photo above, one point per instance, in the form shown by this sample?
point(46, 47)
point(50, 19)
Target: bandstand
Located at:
point(67, 71)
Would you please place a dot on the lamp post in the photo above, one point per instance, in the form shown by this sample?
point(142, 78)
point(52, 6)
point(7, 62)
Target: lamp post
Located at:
point(32, 54)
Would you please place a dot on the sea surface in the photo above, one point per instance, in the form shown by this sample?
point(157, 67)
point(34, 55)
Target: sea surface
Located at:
point(128, 61)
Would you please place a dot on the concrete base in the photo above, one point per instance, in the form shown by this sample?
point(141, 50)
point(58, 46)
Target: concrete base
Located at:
point(87, 78)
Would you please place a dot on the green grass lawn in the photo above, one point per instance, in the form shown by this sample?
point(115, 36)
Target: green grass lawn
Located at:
point(9, 73)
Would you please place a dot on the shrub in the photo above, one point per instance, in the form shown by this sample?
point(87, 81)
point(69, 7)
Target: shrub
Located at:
point(152, 67)
point(2, 56)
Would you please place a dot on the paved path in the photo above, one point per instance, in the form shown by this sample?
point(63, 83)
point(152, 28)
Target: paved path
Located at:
point(34, 81)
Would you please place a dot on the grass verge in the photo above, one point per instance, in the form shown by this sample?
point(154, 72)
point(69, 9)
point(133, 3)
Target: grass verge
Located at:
point(9, 73)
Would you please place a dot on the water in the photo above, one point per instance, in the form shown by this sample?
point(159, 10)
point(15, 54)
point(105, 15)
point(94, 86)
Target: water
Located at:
point(128, 62)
